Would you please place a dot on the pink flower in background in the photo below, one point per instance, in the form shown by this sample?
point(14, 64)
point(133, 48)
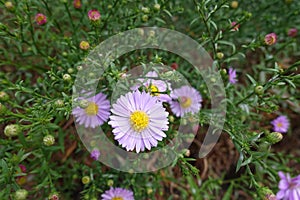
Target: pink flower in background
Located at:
point(292, 32)
point(77, 4)
point(232, 75)
point(94, 15)
point(289, 188)
point(95, 154)
point(281, 124)
point(235, 26)
point(40, 19)
point(270, 38)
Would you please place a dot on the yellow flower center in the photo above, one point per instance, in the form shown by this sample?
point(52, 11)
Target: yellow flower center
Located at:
point(185, 102)
point(139, 120)
point(117, 198)
point(279, 124)
point(154, 90)
point(91, 109)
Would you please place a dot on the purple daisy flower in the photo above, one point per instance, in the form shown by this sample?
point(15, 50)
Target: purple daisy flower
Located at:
point(281, 124)
point(95, 154)
point(96, 112)
point(187, 100)
point(117, 194)
point(138, 121)
point(289, 188)
point(155, 87)
point(232, 75)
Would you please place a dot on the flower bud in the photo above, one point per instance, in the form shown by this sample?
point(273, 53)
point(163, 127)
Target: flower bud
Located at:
point(174, 66)
point(171, 118)
point(3, 109)
point(259, 90)
point(274, 137)
point(21, 194)
point(67, 77)
point(59, 103)
point(9, 6)
point(53, 196)
point(79, 68)
point(4, 96)
point(149, 190)
point(64, 54)
point(234, 4)
point(156, 7)
point(85, 180)
point(48, 140)
point(145, 18)
point(12, 130)
point(84, 45)
point(70, 70)
point(110, 182)
point(220, 55)
point(146, 10)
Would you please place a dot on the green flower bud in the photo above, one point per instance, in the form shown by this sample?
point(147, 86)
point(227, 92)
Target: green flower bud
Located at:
point(59, 103)
point(151, 33)
point(70, 70)
point(9, 6)
point(48, 140)
point(21, 194)
point(79, 68)
point(274, 137)
point(259, 90)
point(3, 109)
point(149, 190)
point(4, 96)
point(12, 130)
point(64, 54)
point(67, 77)
point(85, 180)
point(156, 7)
point(223, 72)
point(220, 55)
point(234, 4)
point(146, 10)
point(110, 182)
point(171, 118)
point(145, 18)
point(83, 103)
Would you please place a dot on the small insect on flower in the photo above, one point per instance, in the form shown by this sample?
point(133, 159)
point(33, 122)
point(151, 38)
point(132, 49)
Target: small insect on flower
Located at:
point(77, 4)
point(117, 194)
point(84, 45)
point(289, 188)
point(40, 19)
point(95, 154)
point(138, 121)
point(185, 100)
point(270, 38)
point(232, 75)
point(96, 112)
point(281, 124)
point(94, 15)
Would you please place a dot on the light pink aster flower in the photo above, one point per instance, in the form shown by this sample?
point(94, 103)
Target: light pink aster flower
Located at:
point(96, 112)
point(281, 124)
point(270, 38)
point(94, 15)
point(117, 194)
point(40, 19)
point(138, 121)
point(185, 100)
point(289, 188)
point(232, 75)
